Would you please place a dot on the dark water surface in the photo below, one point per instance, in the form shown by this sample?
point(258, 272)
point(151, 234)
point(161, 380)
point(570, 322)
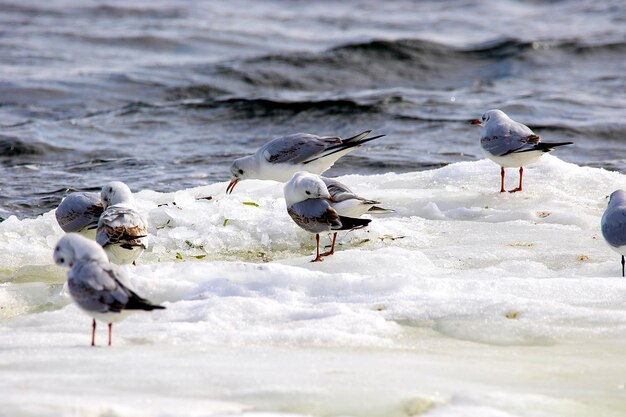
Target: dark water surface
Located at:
point(164, 94)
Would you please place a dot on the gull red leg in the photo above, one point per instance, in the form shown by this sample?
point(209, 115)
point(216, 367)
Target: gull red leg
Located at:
point(93, 333)
point(318, 258)
point(519, 188)
point(110, 327)
point(502, 180)
point(332, 247)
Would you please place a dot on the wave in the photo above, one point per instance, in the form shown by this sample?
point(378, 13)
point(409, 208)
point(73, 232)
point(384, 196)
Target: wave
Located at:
point(147, 42)
point(577, 47)
point(404, 63)
point(259, 107)
point(377, 64)
point(11, 147)
point(115, 11)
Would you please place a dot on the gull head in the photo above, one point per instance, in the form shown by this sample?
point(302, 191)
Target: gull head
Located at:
point(73, 247)
point(618, 197)
point(116, 192)
point(305, 186)
point(490, 116)
point(241, 169)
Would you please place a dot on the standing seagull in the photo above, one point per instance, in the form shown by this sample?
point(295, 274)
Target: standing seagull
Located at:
point(311, 207)
point(614, 224)
point(282, 157)
point(79, 212)
point(511, 144)
point(122, 230)
point(98, 287)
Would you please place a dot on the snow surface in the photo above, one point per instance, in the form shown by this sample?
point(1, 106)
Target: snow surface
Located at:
point(465, 302)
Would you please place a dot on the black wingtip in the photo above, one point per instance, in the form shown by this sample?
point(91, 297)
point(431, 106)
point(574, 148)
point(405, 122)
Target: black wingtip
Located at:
point(135, 302)
point(548, 146)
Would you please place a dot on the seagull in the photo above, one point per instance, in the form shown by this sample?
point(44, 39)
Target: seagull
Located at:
point(348, 204)
point(97, 286)
point(79, 213)
point(122, 230)
point(282, 157)
point(510, 144)
point(311, 207)
point(614, 224)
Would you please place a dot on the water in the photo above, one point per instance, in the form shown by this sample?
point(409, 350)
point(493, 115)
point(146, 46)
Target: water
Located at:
point(164, 94)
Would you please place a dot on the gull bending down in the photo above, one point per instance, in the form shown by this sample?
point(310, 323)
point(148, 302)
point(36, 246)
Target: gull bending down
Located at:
point(282, 157)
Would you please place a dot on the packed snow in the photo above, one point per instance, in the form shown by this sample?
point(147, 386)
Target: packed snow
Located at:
point(465, 301)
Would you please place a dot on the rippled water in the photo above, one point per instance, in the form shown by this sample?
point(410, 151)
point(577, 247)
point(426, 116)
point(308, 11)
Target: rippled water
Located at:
point(164, 94)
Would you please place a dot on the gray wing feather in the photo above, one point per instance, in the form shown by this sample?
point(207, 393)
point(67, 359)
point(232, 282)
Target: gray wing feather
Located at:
point(507, 138)
point(297, 148)
point(79, 211)
point(341, 192)
point(314, 215)
point(96, 287)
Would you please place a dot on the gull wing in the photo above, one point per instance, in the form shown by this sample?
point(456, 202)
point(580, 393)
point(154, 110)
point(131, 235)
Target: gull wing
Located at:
point(314, 215)
point(297, 148)
point(78, 211)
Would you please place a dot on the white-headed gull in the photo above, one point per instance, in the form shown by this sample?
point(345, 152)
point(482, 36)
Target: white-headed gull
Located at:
point(98, 287)
point(311, 207)
point(614, 224)
point(282, 157)
point(122, 230)
point(511, 144)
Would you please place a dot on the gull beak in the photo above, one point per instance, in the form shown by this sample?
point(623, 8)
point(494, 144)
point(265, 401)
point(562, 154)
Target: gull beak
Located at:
point(476, 122)
point(231, 186)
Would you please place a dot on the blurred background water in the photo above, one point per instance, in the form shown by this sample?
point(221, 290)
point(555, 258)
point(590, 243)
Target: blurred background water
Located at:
point(163, 94)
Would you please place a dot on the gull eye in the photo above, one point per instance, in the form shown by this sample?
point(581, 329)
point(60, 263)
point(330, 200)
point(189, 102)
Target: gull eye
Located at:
point(62, 260)
point(308, 192)
point(110, 190)
point(483, 118)
point(241, 171)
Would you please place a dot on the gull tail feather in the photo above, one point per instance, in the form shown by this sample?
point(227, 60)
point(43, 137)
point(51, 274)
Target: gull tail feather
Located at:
point(135, 302)
point(548, 146)
point(542, 146)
